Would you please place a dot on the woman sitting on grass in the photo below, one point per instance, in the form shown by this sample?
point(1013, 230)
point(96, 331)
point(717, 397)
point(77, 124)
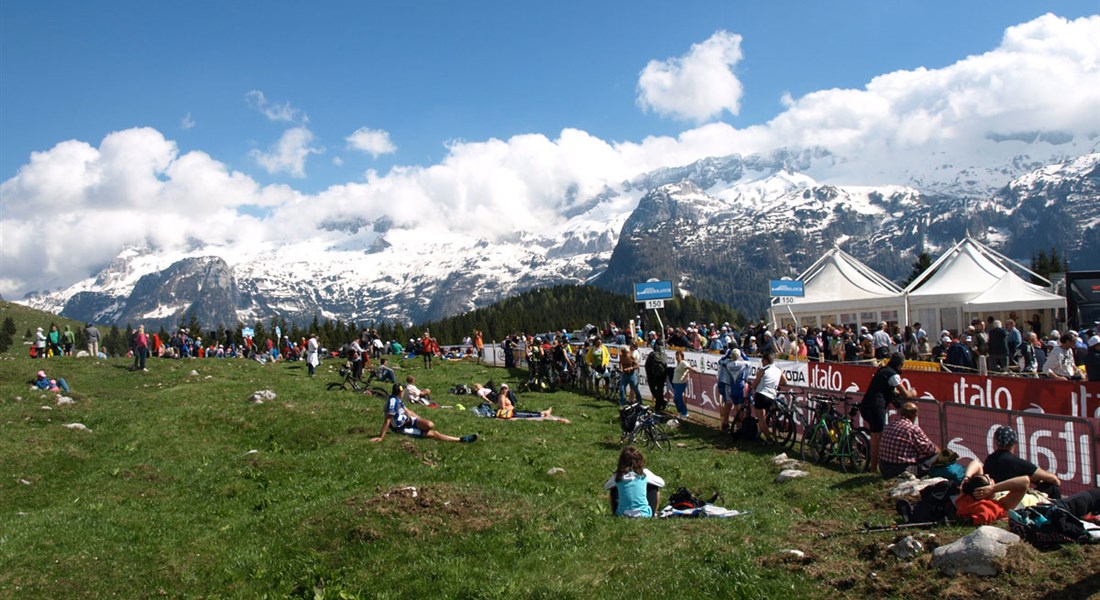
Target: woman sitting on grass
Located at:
point(634, 489)
point(506, 405)
point(402, 420)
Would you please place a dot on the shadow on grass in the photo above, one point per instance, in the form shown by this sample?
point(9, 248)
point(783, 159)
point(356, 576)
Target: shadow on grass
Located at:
point(1084, 588)
point(859, 481)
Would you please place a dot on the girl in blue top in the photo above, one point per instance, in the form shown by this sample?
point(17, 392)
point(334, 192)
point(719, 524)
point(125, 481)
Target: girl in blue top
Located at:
point(631, 485)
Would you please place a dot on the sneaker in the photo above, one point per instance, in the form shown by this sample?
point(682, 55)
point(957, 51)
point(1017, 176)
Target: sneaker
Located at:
point(466, 439)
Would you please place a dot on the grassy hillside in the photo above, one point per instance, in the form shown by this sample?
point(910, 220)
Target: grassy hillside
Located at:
point(184, 488)
point(28, 319)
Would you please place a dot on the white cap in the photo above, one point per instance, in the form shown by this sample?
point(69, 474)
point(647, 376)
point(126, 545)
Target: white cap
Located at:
point(1093, 341)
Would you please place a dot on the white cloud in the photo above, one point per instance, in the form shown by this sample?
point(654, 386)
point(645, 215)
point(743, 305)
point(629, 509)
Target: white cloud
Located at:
point(273, 110)
point(372, 141)
point(336, 160)
point(136, 187)
point(187, 122)
point(289, 154)
point(696, 86)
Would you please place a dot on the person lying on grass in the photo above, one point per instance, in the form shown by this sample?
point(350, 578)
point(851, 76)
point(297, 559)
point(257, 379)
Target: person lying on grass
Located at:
point(979, 501)
point(506, 405)
point(50, 385)
point(978, 490)
point(404, 421)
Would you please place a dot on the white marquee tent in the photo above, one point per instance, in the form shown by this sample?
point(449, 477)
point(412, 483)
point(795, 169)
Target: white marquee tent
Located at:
point(973, 279)
point(842, 290)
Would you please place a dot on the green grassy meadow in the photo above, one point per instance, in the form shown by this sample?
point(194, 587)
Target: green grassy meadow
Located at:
point(184, 488)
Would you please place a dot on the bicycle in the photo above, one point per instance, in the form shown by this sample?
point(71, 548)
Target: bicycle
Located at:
point(833, 436)
point(781, 420)
point(355, 384)
point(642, 423)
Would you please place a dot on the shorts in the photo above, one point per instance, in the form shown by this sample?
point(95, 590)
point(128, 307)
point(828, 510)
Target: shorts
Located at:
point(762, 402)
point(874, 414)
point(728, 393)
point(410, 429)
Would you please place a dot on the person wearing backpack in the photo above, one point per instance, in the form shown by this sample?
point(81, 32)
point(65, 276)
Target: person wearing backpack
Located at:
point(734, 372)
point(884, 390)
point(656, 375)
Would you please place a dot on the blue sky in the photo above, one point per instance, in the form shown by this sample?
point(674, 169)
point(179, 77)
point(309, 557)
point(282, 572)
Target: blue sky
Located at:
point(428, 73)
point(202, 126)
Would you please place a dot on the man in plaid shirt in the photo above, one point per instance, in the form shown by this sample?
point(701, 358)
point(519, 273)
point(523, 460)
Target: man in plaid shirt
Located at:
point(905, 446)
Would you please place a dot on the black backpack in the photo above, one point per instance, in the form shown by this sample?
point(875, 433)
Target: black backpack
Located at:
point(1048, 527)
point(748, 431)
point(683, 499)
point(935, 505)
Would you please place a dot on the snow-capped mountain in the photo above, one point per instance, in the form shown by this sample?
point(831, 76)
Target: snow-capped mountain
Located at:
point(719, 227)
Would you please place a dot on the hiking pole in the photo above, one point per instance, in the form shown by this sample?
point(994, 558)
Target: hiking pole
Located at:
point(868, 528)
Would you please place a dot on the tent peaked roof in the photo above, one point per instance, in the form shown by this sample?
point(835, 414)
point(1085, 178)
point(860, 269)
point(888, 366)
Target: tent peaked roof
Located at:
point(838, 275)
point(968, 269)
point(1011, 292)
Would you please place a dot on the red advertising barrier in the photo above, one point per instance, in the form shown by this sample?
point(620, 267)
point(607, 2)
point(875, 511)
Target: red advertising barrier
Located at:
point(1076, 399)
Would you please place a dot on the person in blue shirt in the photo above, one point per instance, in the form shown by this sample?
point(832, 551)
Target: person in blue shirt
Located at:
point(404, 421)
point(634, 489)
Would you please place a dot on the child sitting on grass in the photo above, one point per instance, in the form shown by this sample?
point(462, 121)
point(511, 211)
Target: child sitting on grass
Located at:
point(634, 489)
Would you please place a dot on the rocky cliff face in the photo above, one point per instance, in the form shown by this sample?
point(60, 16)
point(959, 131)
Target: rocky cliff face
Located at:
point(204, 287)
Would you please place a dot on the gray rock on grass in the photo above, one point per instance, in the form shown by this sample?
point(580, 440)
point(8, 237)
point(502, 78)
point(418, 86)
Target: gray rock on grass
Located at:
point(262, 396)
point(976, 553)
point(789, 474)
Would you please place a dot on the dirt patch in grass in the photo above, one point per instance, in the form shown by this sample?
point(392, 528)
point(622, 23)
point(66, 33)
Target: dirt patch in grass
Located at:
point(428, 458)
point(424, 511)
point(861, 565)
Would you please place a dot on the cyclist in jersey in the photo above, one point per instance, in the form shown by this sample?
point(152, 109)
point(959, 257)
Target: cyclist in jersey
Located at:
point(404, 421)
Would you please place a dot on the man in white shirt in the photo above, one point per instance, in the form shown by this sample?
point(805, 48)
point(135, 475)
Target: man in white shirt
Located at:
point(415, 395)
point(881, 341)
point(1059, 364)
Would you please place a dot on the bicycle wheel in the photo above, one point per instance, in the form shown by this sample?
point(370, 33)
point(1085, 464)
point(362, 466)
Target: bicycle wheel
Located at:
point(781, 426)
point(657, 436)
point(857, 456)
point(815, 444)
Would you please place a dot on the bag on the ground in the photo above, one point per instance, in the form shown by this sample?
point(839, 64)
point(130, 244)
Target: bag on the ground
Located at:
point(1047, 527)
point(683, 499)
point(748, 431)
point(934, 506)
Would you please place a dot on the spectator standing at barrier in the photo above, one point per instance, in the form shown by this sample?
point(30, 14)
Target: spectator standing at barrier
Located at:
point(880, 341)
point(884, 390)
point(998, 347)
point(680, 383)
point(1013, 336)
point(1003, 464)
point(905, 446)
point(766, 387)
point(732, 392)
point(1092, 358)
point(1059, 363)
point(656, 375)
point(628, 365)
point(1026, 355)
point(959, 355)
